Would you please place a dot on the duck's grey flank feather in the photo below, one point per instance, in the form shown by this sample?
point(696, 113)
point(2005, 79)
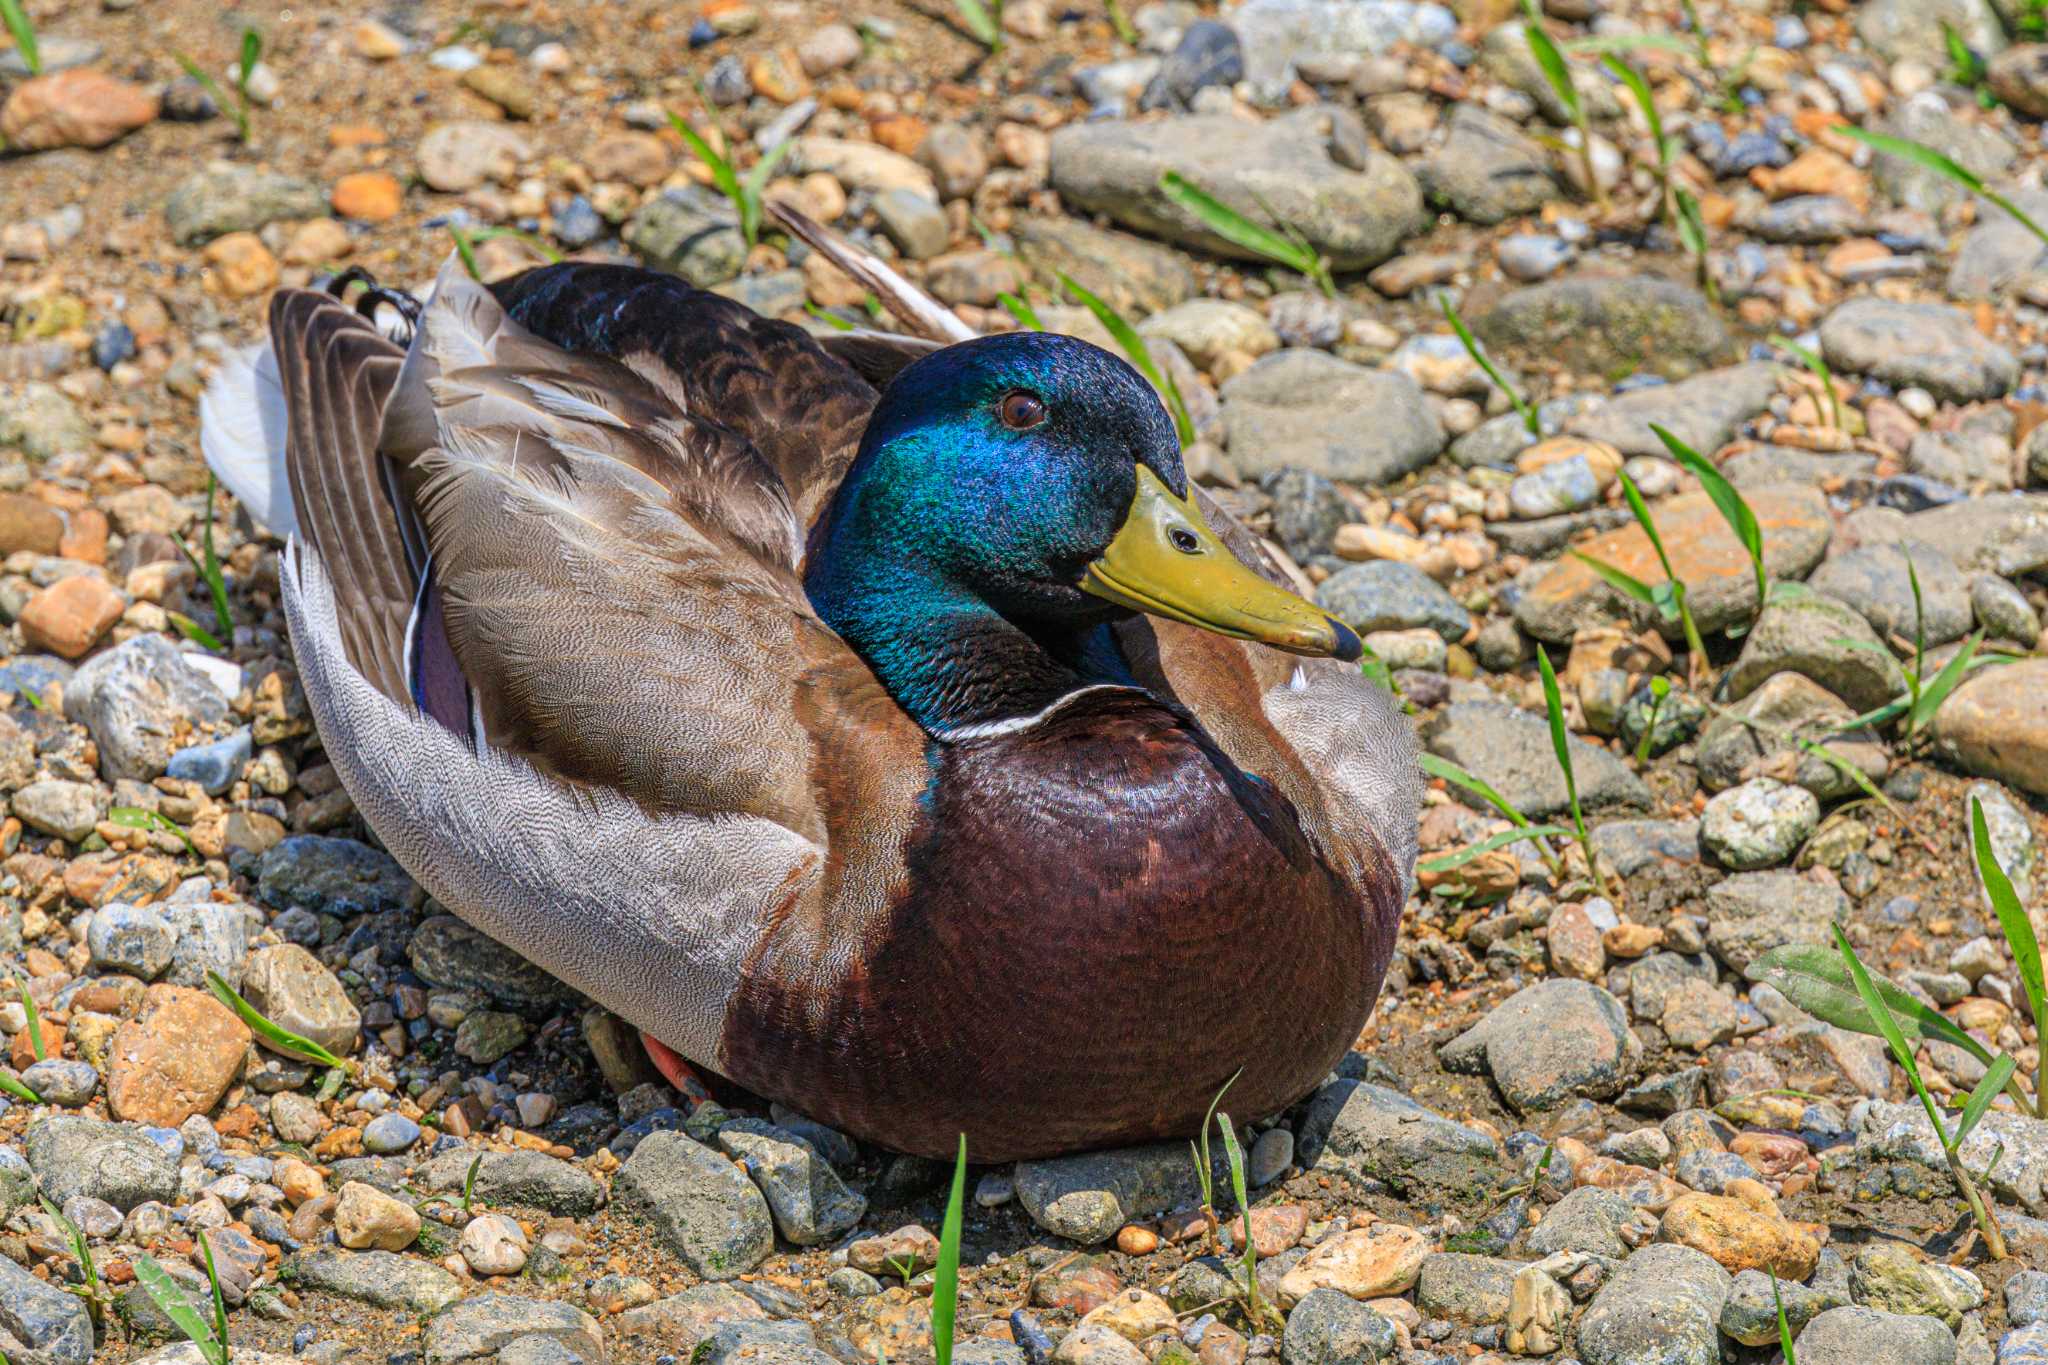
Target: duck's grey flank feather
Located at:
point(541, 865)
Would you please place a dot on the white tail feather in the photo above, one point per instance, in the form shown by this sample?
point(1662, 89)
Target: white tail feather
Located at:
point(242, 432)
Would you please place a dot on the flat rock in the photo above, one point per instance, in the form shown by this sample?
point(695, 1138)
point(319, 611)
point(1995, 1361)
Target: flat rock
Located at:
point(1999, 251)
point(1510, 748)
point(1663, 1306)
point(1720, 585)
point(1278, 169)
point(1899, 1132)
point(478, 1328)
point(1086, 1198)
point(1132, 275)
point(1470, 1289)
point(382, 1279)
point(810, 1202)
point(518, 1179)
point(1610, 325)
point(1549, 1042)
point(1898, 29)
point(174, 1059)
point(1750, 1315)
point(1385, 594)
point(691, 232)
point(1996, 724)
point(456, 955)
point(1760, 823)
point(72, 1155)
point(1759, 734)
point(1928, 344)
point(335, 876)
point(226, 198)
point(1299, 408)
point(293, 989)
point(1753, 912)
point(462, 155)
point(699, 1204)
point(1589, 1219)
point(1361, 1130)
point(1806, 633)
point(1854, 1335)
point(1331, 1328)
point(1487, 170)
point(1704, 412)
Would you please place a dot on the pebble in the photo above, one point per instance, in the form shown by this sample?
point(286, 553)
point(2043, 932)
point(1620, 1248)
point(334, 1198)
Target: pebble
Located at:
point(1758, 824)
point(698, 1204)
point(493, 1244)
point(1548, 1042)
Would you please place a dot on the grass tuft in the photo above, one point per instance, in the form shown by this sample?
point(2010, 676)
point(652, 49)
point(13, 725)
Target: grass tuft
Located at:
point(1560, 743)
point(743, 191)
point(245, 70)
point(1286, 248)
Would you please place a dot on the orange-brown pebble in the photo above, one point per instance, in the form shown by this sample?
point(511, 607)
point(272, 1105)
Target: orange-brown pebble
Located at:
point(369, 196)
point(1136, 1241)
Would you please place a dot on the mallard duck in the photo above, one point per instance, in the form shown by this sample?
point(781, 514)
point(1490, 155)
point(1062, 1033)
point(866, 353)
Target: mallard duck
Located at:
point(886, 726)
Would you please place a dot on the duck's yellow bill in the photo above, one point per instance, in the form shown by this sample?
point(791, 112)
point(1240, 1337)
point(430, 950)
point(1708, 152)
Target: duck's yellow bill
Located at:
point(1166, 561)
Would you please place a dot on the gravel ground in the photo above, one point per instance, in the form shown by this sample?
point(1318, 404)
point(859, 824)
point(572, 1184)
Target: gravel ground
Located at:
point(1573, 1128)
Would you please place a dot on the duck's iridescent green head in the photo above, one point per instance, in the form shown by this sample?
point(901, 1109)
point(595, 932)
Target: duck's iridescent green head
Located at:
point(1029, 484)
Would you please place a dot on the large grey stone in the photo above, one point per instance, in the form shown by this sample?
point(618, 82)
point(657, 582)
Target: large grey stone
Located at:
point(1610, 325)
point(455, 954)
point(691, 232)
point(1854, 1335)
point(1465, 1288)
point(1761, 732)
point(1751, 1313)
point(40, 1324)
point(1926, 119)
point(1134, 276)
point(1704, 411)
point(382, 1279)
point(1278, 34)
point(1282, 169)
point(1511, 749)
point(1928, 344)
point(1899, 1132)
point(1804, 632)
point(1589, 1219)
point(42, 423)
point(532, 1180)
point(1750, 913)
point(1663, 1307)
point(1877, 580)
point(478, 1328)
point(1487, 169)
point(698, 1203)
point(226, 198)
point(1303, 408)
point(1999, 251)
point(1385, 594)
point(1549, 1042)
point(1897, 29)
point(72, 1155)
point(810, 1202)
point(1086, 1198)
point(138, 699)
point(1329, 1327)
point(334, 876)
point(1358, 1129)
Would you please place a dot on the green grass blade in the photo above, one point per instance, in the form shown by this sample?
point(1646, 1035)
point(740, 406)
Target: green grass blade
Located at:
point(1819, 368)
point(466, 250)
point(24, 34)
point(1232, 226)
point(1601, 43)
point(1733, 508)
point(2012, 916)
point(1560, 739)
point(469, 1181)
point(1814, 978)
point(220, 1306)
point(196, 633)
point(276, 1035)
point(1640, 88)
point(1849, 770)
point(135, 817)
point(1619, 580)
point(13, 1085)
point(756, 181)
point(836, 323)
point(1784, 1327)
point(1641, 509)
point(238, 110)
point(170, 1297)
point(1020, 308)
point(1471, 782)
point(1935, 693)
point(83, 1253)
point(1531, 422)
point(245, 63)
point(1519, 834)
point(35, 1019)
point(1996, 1077)
point(1140, 355)
point(722, 174)
point(1552, 62)
point(1888, 1029)
point(946, 1277)
point(987, 30)
point(1929, 159)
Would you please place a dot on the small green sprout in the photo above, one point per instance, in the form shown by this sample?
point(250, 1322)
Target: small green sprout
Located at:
point(24, 34)
point(1531, 421)
point(1818, 367)
point(1784, 1327)
point(1669, 597)
point(170, 1297)
point(1660, 688)
point(1927, 158)
point(206, 564)
point(467, 238)
point(92, 1290)
point(1286, 248)
point(983, 20)
point(1456, 776)
point(1560, 743)
point(245, 71)
point(946, 1276)
point(1558, 73)
point(35, 1019)
point(1733, 507)
point(744, 192)
point(2019, 940)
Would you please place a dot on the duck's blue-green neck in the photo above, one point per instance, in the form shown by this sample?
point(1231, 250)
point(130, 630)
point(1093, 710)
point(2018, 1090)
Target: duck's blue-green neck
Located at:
point(953, 662)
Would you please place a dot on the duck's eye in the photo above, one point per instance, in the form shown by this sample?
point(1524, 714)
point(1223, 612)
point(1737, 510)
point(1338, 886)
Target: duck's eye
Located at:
point(1021, 411)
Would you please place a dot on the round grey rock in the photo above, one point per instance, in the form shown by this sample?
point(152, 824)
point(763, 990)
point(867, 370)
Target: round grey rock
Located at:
point(135, 939)
point(1384, 594)
point(1758, 824)
point(1858, 1336)
point(1329, 1327)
